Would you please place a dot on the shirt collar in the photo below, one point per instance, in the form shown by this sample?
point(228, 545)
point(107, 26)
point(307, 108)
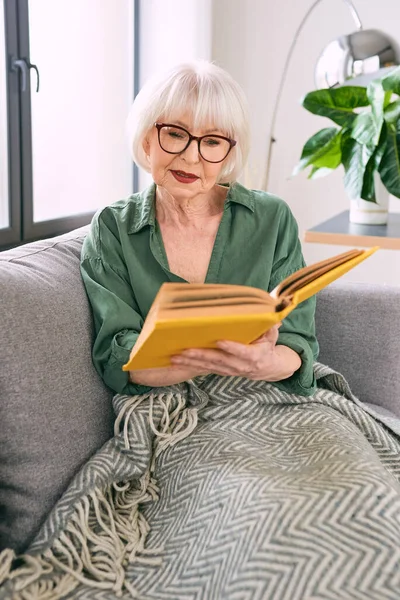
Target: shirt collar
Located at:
point(145, 214)
point(241, 195)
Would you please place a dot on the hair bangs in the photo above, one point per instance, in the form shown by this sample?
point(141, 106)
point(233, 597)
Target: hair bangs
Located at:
point(202, 101)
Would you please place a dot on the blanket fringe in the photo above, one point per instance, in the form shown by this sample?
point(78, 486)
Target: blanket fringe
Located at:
point(106, 531)
point(6, 560)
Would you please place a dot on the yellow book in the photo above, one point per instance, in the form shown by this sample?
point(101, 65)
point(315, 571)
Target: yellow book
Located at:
point(188, 315)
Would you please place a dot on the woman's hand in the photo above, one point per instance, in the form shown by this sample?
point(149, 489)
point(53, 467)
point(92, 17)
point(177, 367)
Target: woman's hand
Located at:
point(164, 376)
point(261, 360)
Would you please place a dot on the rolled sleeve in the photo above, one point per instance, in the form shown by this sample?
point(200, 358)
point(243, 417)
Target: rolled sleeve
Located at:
point(117, 379)
point(298, 328)
point(117, 321)
point(303, 381)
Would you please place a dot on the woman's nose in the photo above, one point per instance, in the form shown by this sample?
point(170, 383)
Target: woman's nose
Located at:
point(191, 154)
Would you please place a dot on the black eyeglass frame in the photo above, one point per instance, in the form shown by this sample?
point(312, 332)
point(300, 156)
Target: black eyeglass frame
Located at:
point(198, 139)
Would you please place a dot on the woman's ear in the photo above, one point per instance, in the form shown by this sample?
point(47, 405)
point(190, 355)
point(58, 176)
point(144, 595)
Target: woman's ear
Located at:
point(146, 145)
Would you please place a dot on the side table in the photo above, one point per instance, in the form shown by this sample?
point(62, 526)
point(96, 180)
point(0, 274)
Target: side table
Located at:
point(339, 230)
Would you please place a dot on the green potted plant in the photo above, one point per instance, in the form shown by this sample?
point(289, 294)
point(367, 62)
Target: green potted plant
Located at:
point(366, 143)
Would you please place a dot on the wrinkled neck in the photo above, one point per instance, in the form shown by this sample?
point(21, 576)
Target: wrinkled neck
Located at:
point(184, 211)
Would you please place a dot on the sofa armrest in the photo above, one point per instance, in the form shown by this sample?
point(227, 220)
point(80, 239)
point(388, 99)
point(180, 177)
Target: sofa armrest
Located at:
point(55, 410)
point(358, 328)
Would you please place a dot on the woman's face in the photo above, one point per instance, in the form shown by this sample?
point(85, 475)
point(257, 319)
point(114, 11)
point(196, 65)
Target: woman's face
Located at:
point(183, 175)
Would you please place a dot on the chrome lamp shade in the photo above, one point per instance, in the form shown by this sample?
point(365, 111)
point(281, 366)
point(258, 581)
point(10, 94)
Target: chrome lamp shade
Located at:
point(356, 59)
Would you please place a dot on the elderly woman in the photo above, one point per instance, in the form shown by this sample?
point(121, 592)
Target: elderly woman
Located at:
point(195, 223)
point(278, 489)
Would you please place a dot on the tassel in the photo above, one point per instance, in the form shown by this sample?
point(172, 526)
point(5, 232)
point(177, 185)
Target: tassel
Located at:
point(106, 532)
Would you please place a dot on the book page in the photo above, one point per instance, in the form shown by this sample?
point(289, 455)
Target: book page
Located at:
point(215, 311)
point(307, 274)
point(199, 302)
point(182, 292)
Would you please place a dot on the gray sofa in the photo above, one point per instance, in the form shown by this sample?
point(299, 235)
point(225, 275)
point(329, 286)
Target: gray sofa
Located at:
point(55, 410)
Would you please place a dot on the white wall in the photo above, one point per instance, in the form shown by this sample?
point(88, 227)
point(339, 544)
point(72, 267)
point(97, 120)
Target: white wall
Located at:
point(172, 31)
point(251, 39)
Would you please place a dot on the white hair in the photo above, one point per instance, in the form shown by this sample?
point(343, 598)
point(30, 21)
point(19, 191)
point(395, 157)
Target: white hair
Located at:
point(209, 94)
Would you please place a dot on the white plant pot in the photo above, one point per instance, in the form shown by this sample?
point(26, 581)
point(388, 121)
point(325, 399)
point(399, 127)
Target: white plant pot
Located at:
point(371, 213)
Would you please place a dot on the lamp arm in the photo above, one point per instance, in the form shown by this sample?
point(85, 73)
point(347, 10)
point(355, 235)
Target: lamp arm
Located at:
point(357, 20)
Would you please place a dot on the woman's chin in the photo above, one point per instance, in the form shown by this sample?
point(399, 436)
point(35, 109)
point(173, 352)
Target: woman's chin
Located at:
point(181, 190)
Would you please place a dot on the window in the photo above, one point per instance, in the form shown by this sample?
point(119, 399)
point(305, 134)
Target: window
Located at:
point(67, 71)
point(4, 211)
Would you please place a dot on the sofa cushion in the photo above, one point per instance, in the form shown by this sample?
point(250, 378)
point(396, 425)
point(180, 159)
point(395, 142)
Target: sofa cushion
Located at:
point(54, 409)
point(358, 327)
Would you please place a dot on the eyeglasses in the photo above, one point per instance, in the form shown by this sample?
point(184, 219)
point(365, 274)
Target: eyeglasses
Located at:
point(174, 140)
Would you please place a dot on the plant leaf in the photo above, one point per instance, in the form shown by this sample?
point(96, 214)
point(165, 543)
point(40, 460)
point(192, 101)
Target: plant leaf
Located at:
point(377, 97)
point(391, 82)
point(368, 188)
point(365, 129)
point(322, 150)
point(389, 167)
point(388, 96)
point(392, 112)
point(337, 104)
point(318, 172)
point(355, 157)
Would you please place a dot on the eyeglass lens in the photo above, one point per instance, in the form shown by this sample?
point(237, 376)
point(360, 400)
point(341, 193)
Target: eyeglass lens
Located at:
point(175, 140)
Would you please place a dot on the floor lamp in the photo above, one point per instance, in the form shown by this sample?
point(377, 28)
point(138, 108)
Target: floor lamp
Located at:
point(353, 59)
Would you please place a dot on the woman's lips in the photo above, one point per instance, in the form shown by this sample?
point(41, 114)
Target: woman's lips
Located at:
point(183, 177)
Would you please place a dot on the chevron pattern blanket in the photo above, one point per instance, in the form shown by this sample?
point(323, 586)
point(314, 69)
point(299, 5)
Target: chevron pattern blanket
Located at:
point(226, 489)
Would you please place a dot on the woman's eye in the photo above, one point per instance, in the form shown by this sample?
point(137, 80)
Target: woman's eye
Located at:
point(176, 135)
point(212, 142)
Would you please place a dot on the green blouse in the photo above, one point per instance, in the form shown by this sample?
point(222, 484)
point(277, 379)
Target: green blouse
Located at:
point(124, 263)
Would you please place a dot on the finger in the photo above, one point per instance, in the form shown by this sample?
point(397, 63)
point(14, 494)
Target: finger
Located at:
point(212, 359)
point(273, 335)
point(270, 335)
point(228, 363)
point(274, 329)
point(243, 351)
point(206, 367)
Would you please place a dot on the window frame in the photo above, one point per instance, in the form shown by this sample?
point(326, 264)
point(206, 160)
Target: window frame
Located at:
point(22, 227)
point(11, 235)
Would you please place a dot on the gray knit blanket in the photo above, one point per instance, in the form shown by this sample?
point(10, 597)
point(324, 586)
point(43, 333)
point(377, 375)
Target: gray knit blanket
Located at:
point(227, 489)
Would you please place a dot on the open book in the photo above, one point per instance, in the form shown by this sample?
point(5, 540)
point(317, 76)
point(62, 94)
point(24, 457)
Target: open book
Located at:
point(188, 315)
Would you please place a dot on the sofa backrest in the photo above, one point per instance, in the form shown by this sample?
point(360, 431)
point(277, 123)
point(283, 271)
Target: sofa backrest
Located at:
point(358, 327)
point(54, 409)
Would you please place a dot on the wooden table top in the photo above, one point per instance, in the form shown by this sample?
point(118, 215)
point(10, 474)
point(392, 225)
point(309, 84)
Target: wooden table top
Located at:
point(339, 230)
